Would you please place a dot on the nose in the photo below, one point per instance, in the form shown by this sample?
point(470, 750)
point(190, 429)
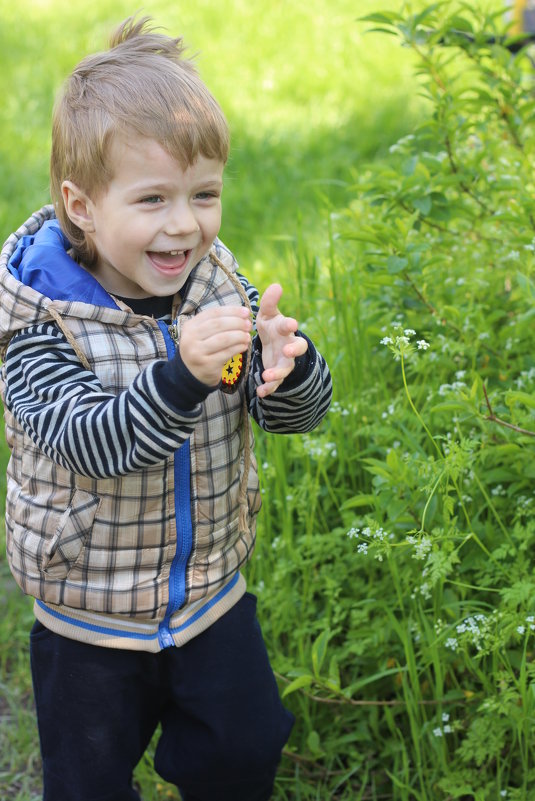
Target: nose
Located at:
point(181, 220)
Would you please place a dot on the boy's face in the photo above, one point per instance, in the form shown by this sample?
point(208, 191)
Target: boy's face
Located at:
point(154, 221)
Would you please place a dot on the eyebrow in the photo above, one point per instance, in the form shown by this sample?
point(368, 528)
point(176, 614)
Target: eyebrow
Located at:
point(149, 186)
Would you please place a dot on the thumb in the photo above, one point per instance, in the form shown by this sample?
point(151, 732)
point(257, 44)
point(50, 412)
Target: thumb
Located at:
point(270, 299)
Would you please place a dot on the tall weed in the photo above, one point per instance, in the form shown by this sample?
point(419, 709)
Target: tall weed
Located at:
point(401, 535)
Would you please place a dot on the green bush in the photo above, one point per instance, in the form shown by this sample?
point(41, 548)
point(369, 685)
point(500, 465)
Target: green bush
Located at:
point(397, 549)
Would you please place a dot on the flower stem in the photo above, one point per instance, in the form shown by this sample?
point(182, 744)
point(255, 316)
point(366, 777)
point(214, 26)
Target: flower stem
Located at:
point(415, 410)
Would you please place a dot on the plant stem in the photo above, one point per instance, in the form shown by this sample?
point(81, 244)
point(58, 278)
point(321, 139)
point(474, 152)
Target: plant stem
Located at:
point(415, 410)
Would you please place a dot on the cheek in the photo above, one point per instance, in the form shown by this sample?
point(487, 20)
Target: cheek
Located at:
point(213, 224)
point(132, 236)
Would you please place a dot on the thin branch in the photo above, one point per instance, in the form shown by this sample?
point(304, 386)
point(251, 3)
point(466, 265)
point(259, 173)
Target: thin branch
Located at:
point(492, 418)
point(353, 702)
point(465, 188)
point(422, 298)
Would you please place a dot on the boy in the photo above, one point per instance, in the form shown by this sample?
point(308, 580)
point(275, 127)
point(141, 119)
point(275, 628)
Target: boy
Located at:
point(129, 372)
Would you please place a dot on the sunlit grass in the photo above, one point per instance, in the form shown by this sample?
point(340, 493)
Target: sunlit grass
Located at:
point(308, 95)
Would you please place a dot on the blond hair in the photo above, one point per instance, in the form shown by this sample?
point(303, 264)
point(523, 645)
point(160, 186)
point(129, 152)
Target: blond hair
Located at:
point(143, 86)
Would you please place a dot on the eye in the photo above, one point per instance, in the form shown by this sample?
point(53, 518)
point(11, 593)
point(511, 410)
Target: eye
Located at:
point(151, 199)
point(208, 195)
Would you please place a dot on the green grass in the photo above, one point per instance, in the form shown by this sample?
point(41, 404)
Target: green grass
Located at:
point(307, 95)
point(314, 105)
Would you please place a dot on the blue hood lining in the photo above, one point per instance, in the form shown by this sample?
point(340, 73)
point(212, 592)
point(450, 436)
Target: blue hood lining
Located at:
point(41, 262)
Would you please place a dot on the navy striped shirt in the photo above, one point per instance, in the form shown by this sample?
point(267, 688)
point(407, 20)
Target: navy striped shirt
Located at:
point(65, 411)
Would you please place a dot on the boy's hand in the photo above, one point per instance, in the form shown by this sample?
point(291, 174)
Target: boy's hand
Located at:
point(211, 338)
point(280, 346)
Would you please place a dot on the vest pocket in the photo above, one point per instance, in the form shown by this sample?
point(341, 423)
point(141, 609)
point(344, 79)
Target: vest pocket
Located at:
point(71, 534)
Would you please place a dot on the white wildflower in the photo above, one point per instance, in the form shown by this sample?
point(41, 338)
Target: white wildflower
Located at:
point(422, 548)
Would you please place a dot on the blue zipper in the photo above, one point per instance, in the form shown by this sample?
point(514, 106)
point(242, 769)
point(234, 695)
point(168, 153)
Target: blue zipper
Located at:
point(184, 529)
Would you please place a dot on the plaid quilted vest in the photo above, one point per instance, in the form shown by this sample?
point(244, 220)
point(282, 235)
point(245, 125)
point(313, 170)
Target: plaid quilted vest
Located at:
point(149, 559)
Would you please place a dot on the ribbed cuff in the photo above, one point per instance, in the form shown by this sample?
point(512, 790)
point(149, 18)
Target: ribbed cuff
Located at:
point(178, 386)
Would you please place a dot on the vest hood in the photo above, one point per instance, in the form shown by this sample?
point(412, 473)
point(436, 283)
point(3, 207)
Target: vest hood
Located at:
point(41, 261)
point(37, 273)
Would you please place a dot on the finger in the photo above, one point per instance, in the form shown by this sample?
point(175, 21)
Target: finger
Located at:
point(285, 326)
point(220, 318)
point(204, 327)
point(276, 374)
point(269, 300)
point(267, 389)
point(297, 347)
point(223, 311)
point(230, 342)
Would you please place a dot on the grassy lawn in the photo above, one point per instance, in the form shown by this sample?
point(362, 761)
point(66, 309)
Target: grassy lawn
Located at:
point(308, 96)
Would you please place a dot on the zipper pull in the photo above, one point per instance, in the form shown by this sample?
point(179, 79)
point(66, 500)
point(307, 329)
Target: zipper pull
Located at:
point(173, 333)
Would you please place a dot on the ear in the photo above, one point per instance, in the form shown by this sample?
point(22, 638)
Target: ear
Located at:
point(78, 206)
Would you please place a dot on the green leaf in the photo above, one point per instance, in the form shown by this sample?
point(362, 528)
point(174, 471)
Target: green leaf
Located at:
point(461, 24)
point(476, 387)
point(319, 650)
point(298, 684)
point(385, 17)
point(519, 593)
point(423, 204)
point(313, 742)
point(452, 406)
point(375, 677)
point(378, 468)
point(359, 500)
point(526, 284)
point(427, 12)
point(389, 31)
point(525, 398)
point(408, 167)
point(396, 264)
point(334, 682)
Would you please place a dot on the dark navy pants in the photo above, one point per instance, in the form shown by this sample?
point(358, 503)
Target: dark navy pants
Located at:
point(223, 724)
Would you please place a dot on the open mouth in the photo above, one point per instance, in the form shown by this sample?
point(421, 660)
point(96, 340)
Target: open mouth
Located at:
point(169, 260)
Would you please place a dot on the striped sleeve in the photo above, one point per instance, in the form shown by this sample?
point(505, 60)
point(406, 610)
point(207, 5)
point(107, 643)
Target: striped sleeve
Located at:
point(65, 411)
point(302, 400)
